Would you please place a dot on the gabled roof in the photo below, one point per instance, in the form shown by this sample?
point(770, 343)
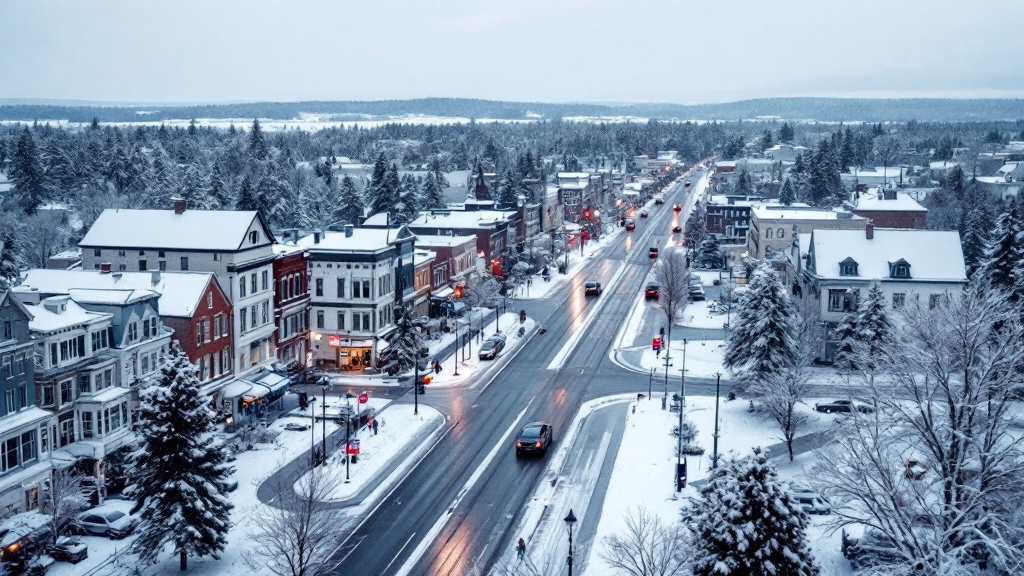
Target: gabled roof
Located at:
point(223, 230)
point(361, 240)
point(117, 297)
point(935, 255)
point(7, 297)
point(180, 292)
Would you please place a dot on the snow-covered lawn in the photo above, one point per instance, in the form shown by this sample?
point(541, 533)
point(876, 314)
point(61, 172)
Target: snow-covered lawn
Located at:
point(699, 315)
point(703, 359)
point(645, 468)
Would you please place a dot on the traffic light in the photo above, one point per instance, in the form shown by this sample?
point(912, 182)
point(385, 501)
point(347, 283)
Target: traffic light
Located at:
point(586, 214)
point(459, 290)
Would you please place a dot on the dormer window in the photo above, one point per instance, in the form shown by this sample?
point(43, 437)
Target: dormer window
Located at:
point(254, 237)
point(848, 267)
point(899, 269)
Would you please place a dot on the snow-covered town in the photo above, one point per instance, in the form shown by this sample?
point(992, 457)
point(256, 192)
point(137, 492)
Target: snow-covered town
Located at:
point(678, 323)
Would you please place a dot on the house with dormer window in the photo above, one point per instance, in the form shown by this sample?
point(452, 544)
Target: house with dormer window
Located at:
point(837, 266)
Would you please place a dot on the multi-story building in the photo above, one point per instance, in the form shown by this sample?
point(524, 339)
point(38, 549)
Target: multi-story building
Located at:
point(453, 262)
point(495, 230)
point(291, 302)
point(773, 228)
point(191, 304)
point(354, 276)
point(840, 265)
point(24, 427)
point(422, 284)
point(235, 245)
point(888, 208)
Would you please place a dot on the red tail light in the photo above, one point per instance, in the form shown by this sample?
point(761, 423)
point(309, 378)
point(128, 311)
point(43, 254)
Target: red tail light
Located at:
point(519, 444)
point(538, 443)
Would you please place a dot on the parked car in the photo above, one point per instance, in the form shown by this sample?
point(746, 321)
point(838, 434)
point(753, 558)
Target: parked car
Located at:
point(592, 288)
point(687, 183)
point(68, 549)
point(677, 208)
point(874, 548)
point(108, 522)
point(835, 406)
point(695, 279)
point(21, 536)
point(535, 438)
point(296, 427)
point(696, 293)
point(490, 348)
point(659, 199)
point(651, 292)
point(810, 500)
point(630, 225)
point(653, 253)
point(643, 214)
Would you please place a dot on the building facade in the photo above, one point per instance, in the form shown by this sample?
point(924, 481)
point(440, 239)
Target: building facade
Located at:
point(291, 302)
point(773, 228)
point(24, 426)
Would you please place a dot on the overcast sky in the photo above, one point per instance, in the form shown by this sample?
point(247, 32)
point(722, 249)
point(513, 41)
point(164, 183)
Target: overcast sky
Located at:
point(550, 50)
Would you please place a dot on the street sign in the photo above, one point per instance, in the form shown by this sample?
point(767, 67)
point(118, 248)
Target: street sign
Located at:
point(353, 446)
point(334, 341)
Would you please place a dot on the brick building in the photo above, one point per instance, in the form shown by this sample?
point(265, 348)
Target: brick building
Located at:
point(887, 208)
point(291, 302)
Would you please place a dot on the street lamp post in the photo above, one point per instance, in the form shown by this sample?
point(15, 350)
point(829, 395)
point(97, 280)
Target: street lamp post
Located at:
point(323, 407)
point(569, 521)
point(312, 432)
point(348, 432)
point(455, 355)
point(679, 436)
point(714, 455)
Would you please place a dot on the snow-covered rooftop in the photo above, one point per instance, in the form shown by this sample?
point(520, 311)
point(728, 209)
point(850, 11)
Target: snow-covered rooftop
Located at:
point(873, 201)
point(286, 248)
point(933, 255)
point(180, 292)
point(432, 240)
point(573, 176)
point(43, 320)
point(793, 213)
point(361, 240)
point(450, 219)
point(423, 257)
point(114, 296)
point(941, 164)
point(164, 229)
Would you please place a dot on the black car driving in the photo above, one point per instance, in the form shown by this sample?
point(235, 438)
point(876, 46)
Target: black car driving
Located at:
point(490, 348)
point(535, 438)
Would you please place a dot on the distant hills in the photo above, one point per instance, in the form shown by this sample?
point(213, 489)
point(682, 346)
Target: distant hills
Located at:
point(806, 109)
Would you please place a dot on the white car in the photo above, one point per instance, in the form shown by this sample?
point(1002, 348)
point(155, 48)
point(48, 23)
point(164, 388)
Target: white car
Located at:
point(106, 522)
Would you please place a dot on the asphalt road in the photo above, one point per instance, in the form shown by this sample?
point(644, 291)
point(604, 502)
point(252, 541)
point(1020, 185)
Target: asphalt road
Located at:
point(471, 481)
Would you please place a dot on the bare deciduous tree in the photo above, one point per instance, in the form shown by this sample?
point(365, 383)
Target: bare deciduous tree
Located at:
point(63, 497)
point(44, 234)
point(649, 546)
point(935, 469)
point(295, 536)
point(673, 278)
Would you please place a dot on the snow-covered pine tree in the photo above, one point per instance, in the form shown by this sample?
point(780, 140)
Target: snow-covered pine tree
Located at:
point(219, 193)
point(786, 133)
point(846, 334)
point(350, 203)
point(762, 341)
point(746, 523)
point(1000, 268)
point(390, 193)
point(258, 148)
point(433, 195)
point(863, 338)
point(28, 174)
point(508, 191)
point(9, 260)
point(179, 468)
point(405, 347)
point(376, 199)
point(435, 169)
point(246, 199)
point(411, 195)
point(787, 194)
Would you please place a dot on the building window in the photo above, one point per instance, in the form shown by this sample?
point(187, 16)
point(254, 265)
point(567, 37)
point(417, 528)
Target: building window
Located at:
point(48, 399)
point(254, 237)
point(19, 364)
point(161, 254)
point(319, 286)
point(241, 286)
point(209, 300)
point(357, 322)
point(121, 267)
point(252, 283)
point(899, 269)
point(8, 401)
point(265, 313)
point(216, 256)
point(86, 420)
point(142, 265)
point(67, 432)
point(120, 253)
point(848, 268)
point(252, 317)
point(768, 233)
point(22, 396)
point(320, 319)
point(781, 233)
point(341, 287)
point(184, 262)
point(66, 393)
point(842, 301)
point(163, 265)
point(97, 252)
point(366, 289)
point(8, 330)
point(898, 300)
point(264, 280)
point(366, 322)
point(934, 300)
point(201, 332)
point(341, 321)
point(242, 317)
point(133, 331)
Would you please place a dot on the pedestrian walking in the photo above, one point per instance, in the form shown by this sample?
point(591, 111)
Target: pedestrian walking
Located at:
point(520, 549)
point(374, 426)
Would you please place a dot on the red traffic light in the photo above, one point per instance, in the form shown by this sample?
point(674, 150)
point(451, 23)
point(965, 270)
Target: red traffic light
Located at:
point(459, 291)
point(363, 398)
point(428, 378)
point(586, 213)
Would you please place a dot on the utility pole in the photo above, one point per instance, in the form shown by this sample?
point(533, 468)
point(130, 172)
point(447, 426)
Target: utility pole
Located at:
point(718, 388)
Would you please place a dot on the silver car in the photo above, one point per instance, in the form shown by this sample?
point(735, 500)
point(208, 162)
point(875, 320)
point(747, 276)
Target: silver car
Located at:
point(106, 522)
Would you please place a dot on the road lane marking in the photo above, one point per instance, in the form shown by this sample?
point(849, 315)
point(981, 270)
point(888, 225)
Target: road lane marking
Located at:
point(399, 553)
point(431, 535)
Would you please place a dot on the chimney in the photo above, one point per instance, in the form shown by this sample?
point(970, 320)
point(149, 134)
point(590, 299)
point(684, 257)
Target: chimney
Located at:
point(155, 277)
point(316, 236)
point(179, 205)
point(348, 230)
point(105, 268)
point(869, 230)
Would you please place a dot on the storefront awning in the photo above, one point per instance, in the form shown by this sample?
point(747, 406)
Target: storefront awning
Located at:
point(443, 293)
point(274, 382)
point(236, 389)
point(257, 391)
